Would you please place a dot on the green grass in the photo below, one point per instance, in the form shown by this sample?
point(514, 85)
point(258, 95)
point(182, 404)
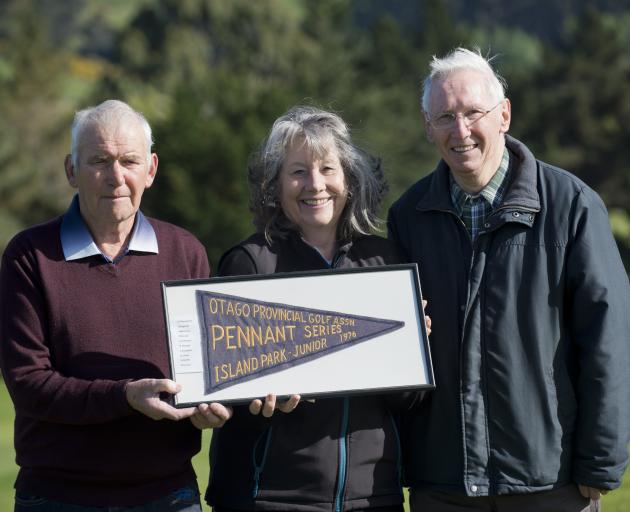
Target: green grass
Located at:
point(200, 463)
point(8, 468)
point(617, 501)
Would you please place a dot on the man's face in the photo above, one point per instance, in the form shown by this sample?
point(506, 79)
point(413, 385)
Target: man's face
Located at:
point(114, 169)
point(472, 150)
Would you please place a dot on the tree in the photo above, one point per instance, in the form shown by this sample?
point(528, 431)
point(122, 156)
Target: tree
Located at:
point(35, 119)
point(578, 106)
point(211, 77)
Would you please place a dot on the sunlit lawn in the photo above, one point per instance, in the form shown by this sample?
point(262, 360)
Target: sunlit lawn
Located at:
point(618, 501)
point(8, 469)
point(200, 462)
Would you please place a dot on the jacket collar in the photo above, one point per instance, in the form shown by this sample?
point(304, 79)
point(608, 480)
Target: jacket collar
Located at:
point(300, 245)
point(522, 192)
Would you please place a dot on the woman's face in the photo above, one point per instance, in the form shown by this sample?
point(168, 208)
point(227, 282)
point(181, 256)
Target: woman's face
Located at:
point(312, 191)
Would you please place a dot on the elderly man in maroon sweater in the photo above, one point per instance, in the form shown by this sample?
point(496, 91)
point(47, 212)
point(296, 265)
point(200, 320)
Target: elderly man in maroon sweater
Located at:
point(82, 344)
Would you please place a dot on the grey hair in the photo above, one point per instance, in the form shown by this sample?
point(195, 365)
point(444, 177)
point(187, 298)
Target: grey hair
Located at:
point(458, 59)
point(320, 130)
point(108, 112)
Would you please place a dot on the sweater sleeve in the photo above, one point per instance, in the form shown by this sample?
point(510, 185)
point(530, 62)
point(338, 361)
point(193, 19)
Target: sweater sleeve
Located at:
point(599, 307)
point(37, 389)
point(201, 266)
point(196, 256)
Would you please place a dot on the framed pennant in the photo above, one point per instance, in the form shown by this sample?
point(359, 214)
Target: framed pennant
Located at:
point(320, 333)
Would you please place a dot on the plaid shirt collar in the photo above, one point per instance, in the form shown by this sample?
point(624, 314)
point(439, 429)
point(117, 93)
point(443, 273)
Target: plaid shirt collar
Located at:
point(474, 209)
point(493, 192)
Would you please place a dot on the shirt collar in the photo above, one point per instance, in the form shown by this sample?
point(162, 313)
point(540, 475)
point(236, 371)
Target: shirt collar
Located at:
point(492, 192)
point(77, 242)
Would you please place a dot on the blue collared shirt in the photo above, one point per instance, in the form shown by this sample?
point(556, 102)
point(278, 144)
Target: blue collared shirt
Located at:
point(77, 241)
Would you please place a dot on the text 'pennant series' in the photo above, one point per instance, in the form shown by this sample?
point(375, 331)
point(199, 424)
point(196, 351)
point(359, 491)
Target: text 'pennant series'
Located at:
point(245, 338)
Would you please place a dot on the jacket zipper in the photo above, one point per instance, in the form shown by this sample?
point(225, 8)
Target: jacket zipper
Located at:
point(398, 449)
point(343, 456)
point(259, 467)
point(461, 346)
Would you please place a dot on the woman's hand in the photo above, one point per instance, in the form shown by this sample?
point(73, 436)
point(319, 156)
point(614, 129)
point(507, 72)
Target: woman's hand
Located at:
point(212, 415)
point(427, 318)
point(271, 404)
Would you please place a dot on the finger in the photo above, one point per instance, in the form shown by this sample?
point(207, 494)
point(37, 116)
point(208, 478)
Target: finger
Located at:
point(157, 409)
point(186, 412)
point(220, 411)
point(198, 421)
point(180, 414)
point(589, 492)
point(593, 493)
point(255, 406)
point(269, 406)
point(290, 404)
point(153, 386)
point(207, 419)
point(424, 304)
point(167, 386)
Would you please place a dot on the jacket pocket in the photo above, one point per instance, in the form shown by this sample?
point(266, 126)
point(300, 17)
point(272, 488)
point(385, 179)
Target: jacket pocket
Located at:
point(375, 455)
point(300, 459)
point(560, 387)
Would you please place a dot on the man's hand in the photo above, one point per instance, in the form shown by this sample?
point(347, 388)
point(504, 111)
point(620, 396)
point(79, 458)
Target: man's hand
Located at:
point(144, 396)
point(212, 415)
point(591, 492)
point(270, 405)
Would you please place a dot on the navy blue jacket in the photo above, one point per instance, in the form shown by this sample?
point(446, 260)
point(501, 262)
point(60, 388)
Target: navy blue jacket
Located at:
point(531, 337)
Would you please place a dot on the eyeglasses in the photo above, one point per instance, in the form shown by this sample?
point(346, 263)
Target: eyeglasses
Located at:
point(447, 120)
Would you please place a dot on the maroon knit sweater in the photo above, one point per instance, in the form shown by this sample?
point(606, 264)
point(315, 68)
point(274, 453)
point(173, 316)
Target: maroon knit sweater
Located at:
point(72, 333)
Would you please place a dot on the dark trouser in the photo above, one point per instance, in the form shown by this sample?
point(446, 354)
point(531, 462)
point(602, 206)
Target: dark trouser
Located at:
point(391, 508)
point(563, 499)
point(181, 500)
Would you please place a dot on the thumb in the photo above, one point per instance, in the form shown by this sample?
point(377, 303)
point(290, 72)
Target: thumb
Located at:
point(168, 386)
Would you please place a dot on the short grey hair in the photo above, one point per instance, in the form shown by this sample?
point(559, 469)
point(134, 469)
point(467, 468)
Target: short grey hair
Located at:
point(458, 59)
point(108, 112)
point(321, 131)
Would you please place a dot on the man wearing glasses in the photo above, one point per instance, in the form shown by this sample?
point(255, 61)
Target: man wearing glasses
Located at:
point(531, 312)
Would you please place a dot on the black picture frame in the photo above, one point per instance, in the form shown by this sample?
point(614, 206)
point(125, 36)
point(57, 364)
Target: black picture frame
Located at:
point(317, 334)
